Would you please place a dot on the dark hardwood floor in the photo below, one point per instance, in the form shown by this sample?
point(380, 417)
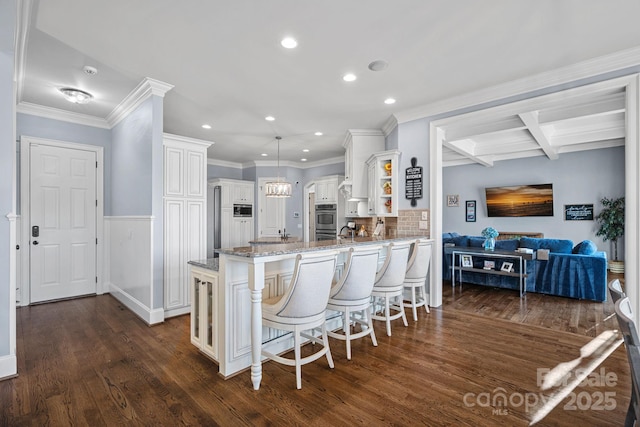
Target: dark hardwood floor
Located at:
point(92, 362)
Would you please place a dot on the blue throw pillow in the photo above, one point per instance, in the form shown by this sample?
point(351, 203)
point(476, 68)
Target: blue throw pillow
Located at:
point(476, 242)
point(559, 246)
point(530, 242)
point(507, 244)
point(586, 247)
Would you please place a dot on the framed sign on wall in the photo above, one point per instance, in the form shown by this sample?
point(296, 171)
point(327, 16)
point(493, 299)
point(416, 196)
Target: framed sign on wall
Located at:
point(470, 211)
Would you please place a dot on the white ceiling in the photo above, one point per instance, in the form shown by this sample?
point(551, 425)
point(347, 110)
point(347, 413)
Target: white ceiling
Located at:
point(228, 69)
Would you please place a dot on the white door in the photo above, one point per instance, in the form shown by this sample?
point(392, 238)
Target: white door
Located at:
point(271, 218)
point(63, 222)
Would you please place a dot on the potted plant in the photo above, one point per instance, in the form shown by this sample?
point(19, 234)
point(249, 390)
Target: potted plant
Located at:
point(611, 227)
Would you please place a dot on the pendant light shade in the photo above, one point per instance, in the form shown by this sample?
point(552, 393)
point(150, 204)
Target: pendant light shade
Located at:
point(278, 188)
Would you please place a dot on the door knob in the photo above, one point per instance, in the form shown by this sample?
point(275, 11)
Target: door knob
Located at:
point(35, 242)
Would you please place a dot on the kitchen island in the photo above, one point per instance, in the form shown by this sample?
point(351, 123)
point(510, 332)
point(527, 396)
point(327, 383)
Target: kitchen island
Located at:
point(227, 292)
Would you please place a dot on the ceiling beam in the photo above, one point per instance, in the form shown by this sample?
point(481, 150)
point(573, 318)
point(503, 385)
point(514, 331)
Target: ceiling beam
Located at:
point(466, 148)
point(530, 120)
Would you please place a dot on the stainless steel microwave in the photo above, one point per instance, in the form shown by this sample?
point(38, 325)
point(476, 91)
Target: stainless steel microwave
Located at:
point(243, 210)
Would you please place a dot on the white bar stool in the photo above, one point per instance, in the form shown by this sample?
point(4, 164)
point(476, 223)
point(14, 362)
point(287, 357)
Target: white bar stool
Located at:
point(352, 294)
point(389, 283)
point(416, 277)
point(303, 307)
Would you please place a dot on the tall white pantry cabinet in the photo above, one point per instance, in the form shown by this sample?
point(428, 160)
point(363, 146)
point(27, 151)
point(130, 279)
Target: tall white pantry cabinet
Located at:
point(185, 217)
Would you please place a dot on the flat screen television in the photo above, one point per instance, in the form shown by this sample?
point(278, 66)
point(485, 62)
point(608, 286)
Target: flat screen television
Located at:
point(520, 200)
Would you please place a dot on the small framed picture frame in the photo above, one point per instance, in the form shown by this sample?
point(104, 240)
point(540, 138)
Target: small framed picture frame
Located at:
point(466, 261)
point(507, 266)
point(489, 265)
point(453, 200)
point(470, 211)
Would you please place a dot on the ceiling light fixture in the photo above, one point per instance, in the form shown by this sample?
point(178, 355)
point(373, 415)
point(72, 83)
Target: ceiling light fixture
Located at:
point(289, 42)
point(205, 126)
point(318, 134)
point(264, 154)
point(306, 150)
point(303, 160)
point(89, 70)
point(269, 118)
point(389, 101)
point(76, 96)
point(378, 65)
point(349, 77)
point(278, 188)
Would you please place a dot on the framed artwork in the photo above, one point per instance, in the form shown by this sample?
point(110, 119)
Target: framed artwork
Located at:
point(453, 200)
point(470, 213)
point(489, 265)
point(466, 261)
point(583, 212)
point(507, 266)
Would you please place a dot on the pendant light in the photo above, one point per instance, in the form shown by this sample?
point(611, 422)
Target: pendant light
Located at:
point(278, 188)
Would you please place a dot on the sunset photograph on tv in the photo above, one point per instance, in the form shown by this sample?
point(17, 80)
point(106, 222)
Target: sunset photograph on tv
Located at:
point(520, 200)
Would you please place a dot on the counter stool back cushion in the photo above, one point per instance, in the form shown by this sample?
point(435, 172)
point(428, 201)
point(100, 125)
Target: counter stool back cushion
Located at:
point(352, 294)
point(416, 276)
point(303, 307)
point(389, 283)
point(629, 333)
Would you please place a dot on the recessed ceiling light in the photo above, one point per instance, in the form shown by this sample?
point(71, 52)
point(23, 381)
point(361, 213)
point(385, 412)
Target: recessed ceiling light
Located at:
point(269, 118)
point(318, 134)
point(289, 42)
point(306, 150)
point(205, 126)
point(303, 160)
point(389, 101)
point(76, 96)
point(378, 65)
point(89, 70)
point(264, 154)
point(349, 77)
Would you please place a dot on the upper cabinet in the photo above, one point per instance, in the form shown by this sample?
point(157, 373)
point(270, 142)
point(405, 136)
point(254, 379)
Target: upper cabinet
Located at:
point(243, 193)
point(327, 190)
point(359, 144)
point(382, 170)
point(185, 167)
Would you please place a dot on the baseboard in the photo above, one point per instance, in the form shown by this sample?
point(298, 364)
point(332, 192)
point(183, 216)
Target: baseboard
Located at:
point(149, 316)
point(8, 367)
point(177, 312)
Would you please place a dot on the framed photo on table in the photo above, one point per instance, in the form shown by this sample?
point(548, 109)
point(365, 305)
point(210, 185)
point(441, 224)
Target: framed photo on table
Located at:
point(507, 266)
point(466, 260)
point(470, 212)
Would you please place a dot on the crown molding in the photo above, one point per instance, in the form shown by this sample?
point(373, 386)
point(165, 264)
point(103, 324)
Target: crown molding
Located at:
point(389, 125)
point(145, 89)
point(297, 165)
point(224, 163)
point(62, 115)
point(589, 68)
point(179, 138)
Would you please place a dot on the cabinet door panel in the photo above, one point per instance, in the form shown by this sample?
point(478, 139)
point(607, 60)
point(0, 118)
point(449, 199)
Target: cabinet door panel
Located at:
point(174, 258)
point(173, 172)
point(195, 174)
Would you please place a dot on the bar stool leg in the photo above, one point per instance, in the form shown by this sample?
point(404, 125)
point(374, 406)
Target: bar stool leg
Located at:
point(369, 313)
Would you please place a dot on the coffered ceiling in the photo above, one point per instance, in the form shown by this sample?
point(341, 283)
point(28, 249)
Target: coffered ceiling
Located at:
point(229, 70)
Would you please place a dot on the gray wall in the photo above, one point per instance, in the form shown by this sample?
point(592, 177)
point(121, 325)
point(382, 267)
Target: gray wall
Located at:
point(8, 10)
point(28, 125)
point(578, 178)
point(131, 170)
point(214, 171)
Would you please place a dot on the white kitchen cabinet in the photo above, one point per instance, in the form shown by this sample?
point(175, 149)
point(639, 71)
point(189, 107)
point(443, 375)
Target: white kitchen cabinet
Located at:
point(383, 183)
point(184, 222)
point(327, 191)
point(204, 325)
point(243, 193)
point(351, 209)
point(241, 232)
point(358, 145)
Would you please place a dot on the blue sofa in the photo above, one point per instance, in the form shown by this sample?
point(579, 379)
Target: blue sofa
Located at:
point(578, 271)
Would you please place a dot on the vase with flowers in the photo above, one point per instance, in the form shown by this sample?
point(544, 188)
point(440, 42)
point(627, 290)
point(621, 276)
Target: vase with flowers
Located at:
point(489, 234)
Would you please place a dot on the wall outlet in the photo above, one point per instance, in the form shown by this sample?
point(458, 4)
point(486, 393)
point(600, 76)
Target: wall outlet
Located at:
point(425, 215)
point(423, 225)
point(299, 225)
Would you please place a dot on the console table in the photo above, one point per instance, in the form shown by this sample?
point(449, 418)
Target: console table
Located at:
point(520, 259)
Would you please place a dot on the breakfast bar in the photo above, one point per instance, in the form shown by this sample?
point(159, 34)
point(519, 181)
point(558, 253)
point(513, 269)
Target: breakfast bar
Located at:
point(227, 294)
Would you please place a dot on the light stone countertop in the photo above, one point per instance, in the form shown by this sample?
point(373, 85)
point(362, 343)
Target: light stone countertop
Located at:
point(273, 240)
